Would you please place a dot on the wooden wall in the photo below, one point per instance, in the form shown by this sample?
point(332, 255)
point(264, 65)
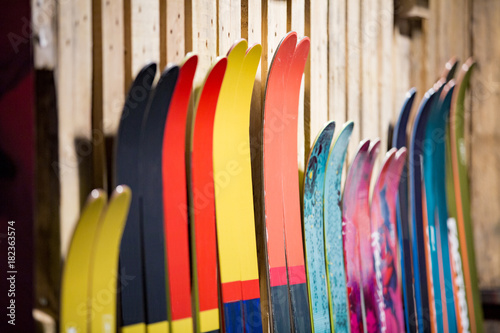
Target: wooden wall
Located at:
point(365, 54)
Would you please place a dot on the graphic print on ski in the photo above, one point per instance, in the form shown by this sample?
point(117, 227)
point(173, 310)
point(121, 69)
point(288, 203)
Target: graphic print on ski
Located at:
point(104, 268)
point(175, 210)
point(133, 307)
point(234, 194)
point(350, 238)
point(458, 280)
point(334, 250)
point(437, 211)
point(417, 226)
point(461, 200)
point(399, 141)
point(75, 285)
point(201, 202)
point(273, 133)
point(150, 193)
point(291, 194)
point(385, 245)
point(362, 223)
point(314, 184)
point(281, 194)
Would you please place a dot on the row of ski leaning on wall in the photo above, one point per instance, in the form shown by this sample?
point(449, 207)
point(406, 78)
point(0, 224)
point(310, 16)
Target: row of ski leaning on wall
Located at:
point(181, 252)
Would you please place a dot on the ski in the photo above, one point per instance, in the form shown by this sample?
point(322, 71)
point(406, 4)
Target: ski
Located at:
point(388, 288)
point(234, 194)
point(314, 184)
point(350, 238)
point(75, 287)
point(104, 262)
point(436, 210)
point(460, 202)
point(201, 202)
point(418, 230)
point(291, 194)
point(273, 154)
point(458, 290)
point(133, 308)
point(175, 210)
point(151, 197)
point(362, 223)
point(400, 141)
point(334, 250)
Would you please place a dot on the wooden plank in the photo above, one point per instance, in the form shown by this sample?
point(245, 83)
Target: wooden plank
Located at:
point(142, 36)
point(337, 109)
point(113, 77)
point(485, 179)
point(370, 116)
point(172, 35)
point(401, 67)
point(353, 65)
point(317, 114)
point(74, 87)
point(296, 22)
point(384, 73)
point(229, 23)
point(43, 16)
point(201, 31)
point(418, 74)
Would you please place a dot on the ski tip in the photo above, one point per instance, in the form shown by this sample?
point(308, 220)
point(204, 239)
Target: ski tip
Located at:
point(401, 154)
point(364, 145)
point(374, 147)
point(191, 59)
point(410, 94)
point(254, 49)
point(122, 192)
point(348, 125)
point(97, 194)
point(237, 49)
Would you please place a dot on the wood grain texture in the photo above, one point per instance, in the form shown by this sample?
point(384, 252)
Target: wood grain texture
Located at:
point(172, 39)
point(144, 34)
point(485, 156)
point(385, 61)
point(229, 15)
point(317, 114)
point(74, 94)
point(296, 22)
point(113, 79)
point(337, 109)
point(353, 66)
point(202, 34)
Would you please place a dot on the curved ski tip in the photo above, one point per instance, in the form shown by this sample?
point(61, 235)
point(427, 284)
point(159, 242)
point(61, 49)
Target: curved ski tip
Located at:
point(254, 48)
point(191, 59)
point(149, 68)
point(122, 191)
point(390, 152)
point(220, 62)
point(374, 146)
point(348, 125)
point(410, 94)
point(468, 64)
point(448, 89)
point(329, 126)
point(97, 193)
point(303, 40)
point(290, 34)
point(239, 46)
point(364, 145)
point(401, 153)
